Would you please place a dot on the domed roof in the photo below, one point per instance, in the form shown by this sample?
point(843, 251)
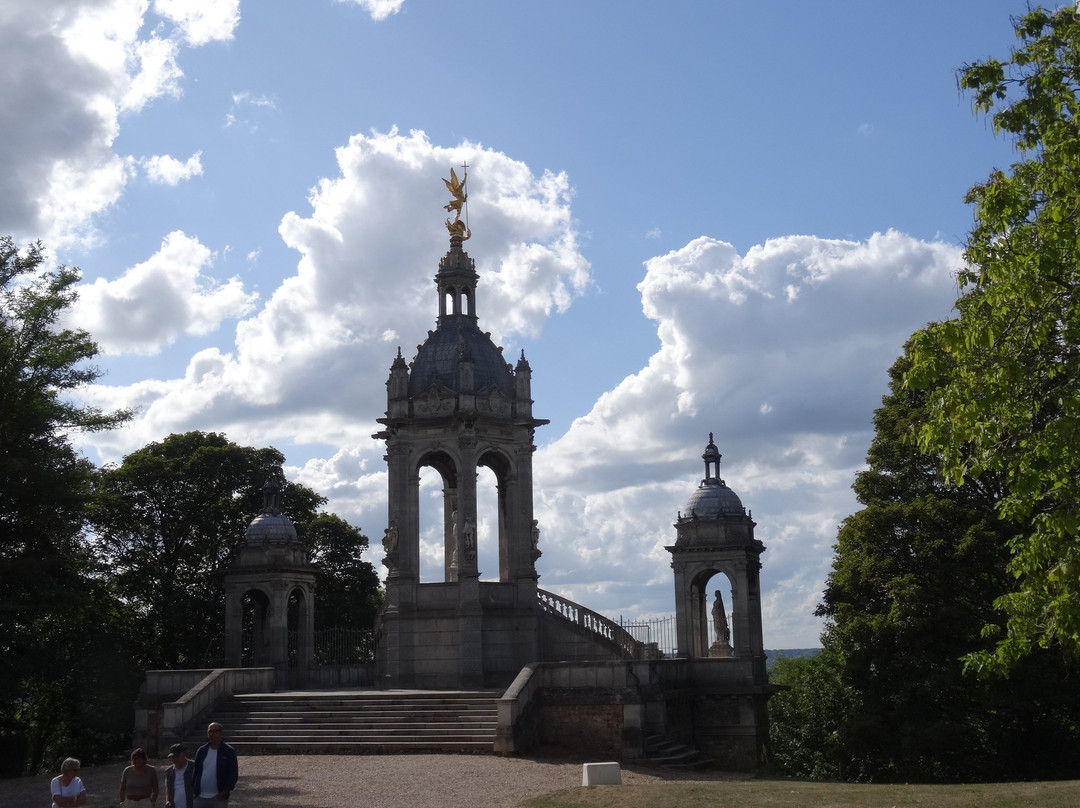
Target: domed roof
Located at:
point(271, 526)
point(440, 355)
point(712, 499)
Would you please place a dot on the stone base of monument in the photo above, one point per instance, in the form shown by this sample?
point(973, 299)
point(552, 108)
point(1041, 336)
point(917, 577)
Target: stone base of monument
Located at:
point(720, 650)
point(601, 774)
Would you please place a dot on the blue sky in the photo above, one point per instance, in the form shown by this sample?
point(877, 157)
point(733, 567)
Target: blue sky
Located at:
point(693, 217)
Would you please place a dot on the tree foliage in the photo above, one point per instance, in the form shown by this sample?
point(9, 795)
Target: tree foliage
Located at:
point(805, 718)
point(347, 592)
point(169, 521)
point(1005, 372)
point(915, 577)
point(57, 637)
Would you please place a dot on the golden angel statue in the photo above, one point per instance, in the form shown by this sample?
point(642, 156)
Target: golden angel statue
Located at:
point(456, 188)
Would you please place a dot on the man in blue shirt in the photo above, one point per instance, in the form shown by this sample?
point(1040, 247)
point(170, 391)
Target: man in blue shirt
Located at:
point(216, 769)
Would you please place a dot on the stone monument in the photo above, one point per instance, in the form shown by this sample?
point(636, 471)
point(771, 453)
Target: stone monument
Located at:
point(456, 407)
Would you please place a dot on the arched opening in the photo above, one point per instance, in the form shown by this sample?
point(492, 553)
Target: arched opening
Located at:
point(438, 511)
point(255, 629)
point(488, 522)
point(711, 626)
point(720, 597)
point(297, 612)
point(491, 507)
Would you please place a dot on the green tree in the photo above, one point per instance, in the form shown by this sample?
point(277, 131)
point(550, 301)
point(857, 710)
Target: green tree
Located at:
point(347, 593)
point(52, 604)
point(914, 579)
point(805, 718)
point(169, 520)
point(1005, 372)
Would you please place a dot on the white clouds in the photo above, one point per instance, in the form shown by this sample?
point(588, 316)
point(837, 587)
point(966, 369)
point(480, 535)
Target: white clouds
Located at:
point(788, 383)
point(378, 9)
point(309, 366)
point(71, 68)
point(781, 352)
point(247, 101)
point(202, 21)
point(168, 294)
point(167, 170)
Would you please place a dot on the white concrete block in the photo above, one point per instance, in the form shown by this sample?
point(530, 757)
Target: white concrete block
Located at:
point(601, 774)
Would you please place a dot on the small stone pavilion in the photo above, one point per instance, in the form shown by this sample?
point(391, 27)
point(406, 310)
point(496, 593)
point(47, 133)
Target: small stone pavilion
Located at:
point(270, 595)
point(716, 536)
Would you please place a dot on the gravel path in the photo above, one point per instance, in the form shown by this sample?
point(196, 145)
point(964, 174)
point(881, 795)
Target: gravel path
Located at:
point(376, 781)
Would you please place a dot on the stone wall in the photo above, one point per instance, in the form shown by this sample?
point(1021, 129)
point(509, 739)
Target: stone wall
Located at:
point(607, 709)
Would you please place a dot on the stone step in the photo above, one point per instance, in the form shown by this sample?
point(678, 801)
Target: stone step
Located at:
point(362, 714)
point(659, 751)
point(367, 722)
point(291, 747)
point(346, 719)
point(309, 730)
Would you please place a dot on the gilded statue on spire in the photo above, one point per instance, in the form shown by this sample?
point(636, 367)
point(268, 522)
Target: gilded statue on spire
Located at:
point(456, 187)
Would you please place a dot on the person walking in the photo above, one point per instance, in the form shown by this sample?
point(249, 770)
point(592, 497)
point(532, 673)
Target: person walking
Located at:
point(139, 782)
point(215, 769)
point(179, 779)
point(68, 790)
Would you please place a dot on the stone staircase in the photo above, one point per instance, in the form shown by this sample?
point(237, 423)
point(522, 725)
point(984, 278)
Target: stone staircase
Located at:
point(356, 722)
point(659, 751)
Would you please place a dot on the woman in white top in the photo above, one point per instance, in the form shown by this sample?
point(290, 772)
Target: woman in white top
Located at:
point(68, 790)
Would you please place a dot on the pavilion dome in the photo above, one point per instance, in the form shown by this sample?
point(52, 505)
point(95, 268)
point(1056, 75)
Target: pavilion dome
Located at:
point(271, 526)
point(713, 499)
point(438, 359)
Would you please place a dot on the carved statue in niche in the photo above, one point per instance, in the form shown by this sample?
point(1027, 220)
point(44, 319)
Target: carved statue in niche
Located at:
point(722, 646)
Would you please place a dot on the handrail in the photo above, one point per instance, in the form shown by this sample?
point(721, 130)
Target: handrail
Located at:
point(595, 624)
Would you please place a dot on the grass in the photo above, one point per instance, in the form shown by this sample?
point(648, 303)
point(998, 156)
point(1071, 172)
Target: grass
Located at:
point(799, 794)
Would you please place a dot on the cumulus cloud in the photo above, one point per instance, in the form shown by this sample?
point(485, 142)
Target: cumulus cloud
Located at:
point(378, 9)
point(71, 68)
point(167, 170)
point(782, 353)
point(153, 302)
point(309, 366)
point(202, 21)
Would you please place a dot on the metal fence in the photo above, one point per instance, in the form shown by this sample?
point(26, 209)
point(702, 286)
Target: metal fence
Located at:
point(344, 646)
point(659, 630)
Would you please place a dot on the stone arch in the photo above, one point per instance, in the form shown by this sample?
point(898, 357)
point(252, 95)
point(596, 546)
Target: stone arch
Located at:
point(447, 465)
point(297, 604)
point(502, 467)
point(257, 609)
point(705, 583)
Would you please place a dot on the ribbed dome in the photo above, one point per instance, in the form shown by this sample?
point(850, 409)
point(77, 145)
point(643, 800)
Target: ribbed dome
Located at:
point(712, 499)
point(440, 355)
point(271, 528)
